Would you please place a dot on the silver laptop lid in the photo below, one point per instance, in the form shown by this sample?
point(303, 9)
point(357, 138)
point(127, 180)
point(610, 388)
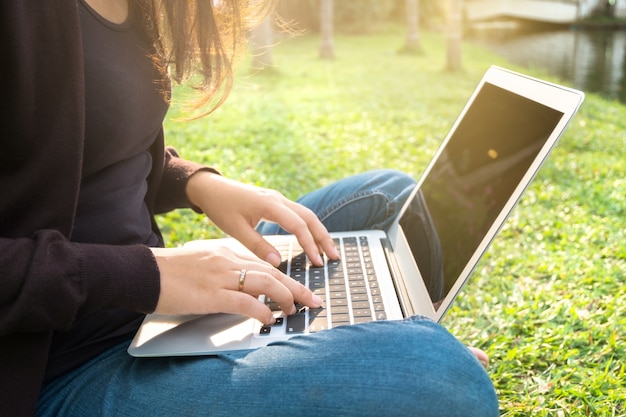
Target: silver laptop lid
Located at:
point(491, 154)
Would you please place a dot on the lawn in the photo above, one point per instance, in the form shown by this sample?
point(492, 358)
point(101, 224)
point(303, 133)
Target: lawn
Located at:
point(548, 301)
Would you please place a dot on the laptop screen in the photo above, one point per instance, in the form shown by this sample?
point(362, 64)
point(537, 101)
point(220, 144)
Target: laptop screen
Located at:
point(483, 162)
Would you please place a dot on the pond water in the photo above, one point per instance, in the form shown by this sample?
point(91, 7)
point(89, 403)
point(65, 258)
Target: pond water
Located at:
point(591, 60)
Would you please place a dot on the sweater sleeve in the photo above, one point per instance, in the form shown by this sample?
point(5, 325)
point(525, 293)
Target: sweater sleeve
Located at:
point(172, 188)
point(48, 283)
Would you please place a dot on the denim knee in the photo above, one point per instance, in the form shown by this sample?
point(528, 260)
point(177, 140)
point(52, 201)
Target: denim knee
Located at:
point(370, 200)
point(386, 368)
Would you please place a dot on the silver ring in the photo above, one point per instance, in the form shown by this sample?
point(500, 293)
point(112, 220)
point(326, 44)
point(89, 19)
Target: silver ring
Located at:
point(242, 279)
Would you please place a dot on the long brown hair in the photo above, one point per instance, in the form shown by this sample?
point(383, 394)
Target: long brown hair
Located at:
point(198, 41)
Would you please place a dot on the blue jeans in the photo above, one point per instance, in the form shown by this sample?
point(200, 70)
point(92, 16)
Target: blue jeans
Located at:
point(408, 367)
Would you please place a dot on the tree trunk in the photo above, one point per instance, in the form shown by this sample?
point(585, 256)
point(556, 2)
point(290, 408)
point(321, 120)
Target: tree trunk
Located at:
point(413, 42)
point(327, 49)
point(454, 35)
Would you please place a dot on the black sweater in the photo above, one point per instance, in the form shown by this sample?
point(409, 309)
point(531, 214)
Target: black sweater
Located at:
point(48, 283)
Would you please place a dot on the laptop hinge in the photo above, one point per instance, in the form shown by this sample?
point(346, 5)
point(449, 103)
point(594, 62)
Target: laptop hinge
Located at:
point(396, 277)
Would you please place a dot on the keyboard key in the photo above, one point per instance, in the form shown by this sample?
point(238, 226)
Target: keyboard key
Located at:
point(365, 319)
point(340, 318)
point(318, 320)
point(354, 284)
point(340, 302)
point(296, 323)
point(273, 306)
point(359, 305)
point(316, 285)
point(341, 310)
point(318, 324)
point(366, 312)
point(321, 293)
point(361, 296)
point(338, 295)
point(337, 288)
point(299, 276)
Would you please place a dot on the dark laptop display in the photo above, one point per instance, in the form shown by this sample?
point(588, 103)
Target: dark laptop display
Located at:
point(475, 175)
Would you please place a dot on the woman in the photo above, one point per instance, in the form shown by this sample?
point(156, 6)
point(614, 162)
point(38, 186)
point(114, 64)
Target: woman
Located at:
point(83, 170)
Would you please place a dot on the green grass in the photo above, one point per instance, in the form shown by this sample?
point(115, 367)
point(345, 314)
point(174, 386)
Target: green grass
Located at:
point(548, 301)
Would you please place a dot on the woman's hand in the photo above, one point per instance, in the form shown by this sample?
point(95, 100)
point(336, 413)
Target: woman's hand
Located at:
point(208, 281)
point(237, 208)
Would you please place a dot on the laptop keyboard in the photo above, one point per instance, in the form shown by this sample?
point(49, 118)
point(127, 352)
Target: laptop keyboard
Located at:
point(348, 288)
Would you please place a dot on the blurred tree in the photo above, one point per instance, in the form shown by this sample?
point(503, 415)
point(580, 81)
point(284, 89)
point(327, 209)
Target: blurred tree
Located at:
point(413, 42)
point(454, 35)
point(327, 49)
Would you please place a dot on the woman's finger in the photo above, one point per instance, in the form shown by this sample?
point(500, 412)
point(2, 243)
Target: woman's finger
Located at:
point(283, 290)
point(239, 302)
point(301, 222)
point(256, 243)
point(317, 229)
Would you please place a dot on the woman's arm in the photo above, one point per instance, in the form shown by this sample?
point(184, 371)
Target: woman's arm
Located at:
point(48, 283)
point(237, 208)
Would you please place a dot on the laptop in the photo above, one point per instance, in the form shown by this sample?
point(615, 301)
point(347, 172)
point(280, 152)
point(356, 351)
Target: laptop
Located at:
point(418, 266)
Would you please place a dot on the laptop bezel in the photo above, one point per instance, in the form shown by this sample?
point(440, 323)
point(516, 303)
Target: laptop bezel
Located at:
point(563, 99)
